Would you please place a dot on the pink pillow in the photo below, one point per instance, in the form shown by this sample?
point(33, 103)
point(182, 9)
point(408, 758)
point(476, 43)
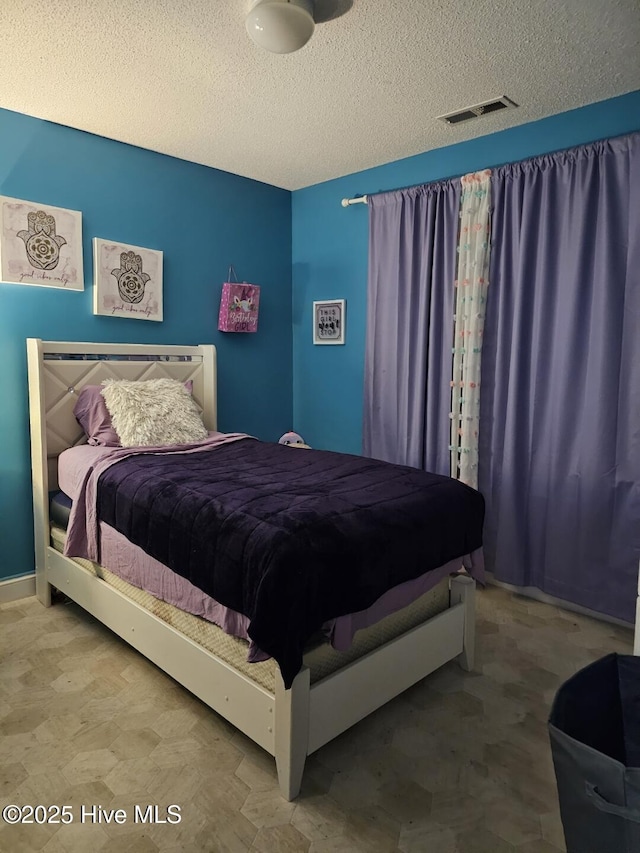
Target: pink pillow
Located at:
point(93, 416)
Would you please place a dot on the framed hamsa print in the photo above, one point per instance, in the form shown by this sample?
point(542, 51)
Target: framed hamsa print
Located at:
point(40, 244)
point(127, 281)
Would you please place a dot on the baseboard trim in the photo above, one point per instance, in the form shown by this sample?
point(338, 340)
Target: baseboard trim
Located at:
point(16, 588)
point(537, 595)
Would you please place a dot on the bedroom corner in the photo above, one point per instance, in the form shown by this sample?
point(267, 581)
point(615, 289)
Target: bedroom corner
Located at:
point(202, 220)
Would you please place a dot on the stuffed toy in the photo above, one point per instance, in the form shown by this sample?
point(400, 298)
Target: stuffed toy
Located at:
point(292, 439)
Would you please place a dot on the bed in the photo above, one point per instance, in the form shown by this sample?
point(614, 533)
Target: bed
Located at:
point(332, 690)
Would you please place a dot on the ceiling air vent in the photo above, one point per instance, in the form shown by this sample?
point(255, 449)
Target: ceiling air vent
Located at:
point(478, 110)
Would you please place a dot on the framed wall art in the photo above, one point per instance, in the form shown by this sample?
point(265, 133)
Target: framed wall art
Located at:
point(40, 244)
point(127, 281)
point(329, 321)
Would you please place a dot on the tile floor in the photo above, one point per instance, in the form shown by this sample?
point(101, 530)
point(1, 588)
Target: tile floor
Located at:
point(460, 763)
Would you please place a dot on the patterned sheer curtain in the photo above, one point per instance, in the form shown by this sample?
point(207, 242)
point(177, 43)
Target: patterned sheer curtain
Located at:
point(471, 284)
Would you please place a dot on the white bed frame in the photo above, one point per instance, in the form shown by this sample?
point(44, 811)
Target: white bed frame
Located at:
point(289, 724)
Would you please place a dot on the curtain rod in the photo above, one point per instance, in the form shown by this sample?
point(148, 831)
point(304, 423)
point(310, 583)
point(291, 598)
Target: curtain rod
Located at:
point(363, 199)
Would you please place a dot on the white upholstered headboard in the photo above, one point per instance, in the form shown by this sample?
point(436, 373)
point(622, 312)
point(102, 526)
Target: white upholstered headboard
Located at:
point(57, 371)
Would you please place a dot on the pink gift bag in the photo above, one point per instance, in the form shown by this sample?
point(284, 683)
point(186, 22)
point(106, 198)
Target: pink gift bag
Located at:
point(239, 306)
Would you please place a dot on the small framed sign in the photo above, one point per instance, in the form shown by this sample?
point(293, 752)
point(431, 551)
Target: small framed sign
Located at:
point(329, 321)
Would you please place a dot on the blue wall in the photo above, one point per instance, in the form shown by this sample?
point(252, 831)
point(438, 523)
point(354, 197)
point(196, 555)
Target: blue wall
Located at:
point(203, 220)
point(330, 255)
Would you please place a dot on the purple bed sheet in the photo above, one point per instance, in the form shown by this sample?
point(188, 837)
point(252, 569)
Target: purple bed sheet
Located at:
point(133, 565)
point(78, 472)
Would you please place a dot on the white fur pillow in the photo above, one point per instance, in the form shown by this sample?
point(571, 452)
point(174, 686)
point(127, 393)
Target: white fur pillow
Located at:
point(152, 412)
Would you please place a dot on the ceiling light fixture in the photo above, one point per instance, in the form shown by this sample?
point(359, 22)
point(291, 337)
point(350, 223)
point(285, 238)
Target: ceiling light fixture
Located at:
point(280, 26)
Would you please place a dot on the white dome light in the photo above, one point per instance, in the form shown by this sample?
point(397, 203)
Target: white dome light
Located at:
point(280, 26)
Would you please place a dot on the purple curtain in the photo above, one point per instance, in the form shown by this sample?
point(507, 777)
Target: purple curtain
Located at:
point(407, 393)
point(560, 408)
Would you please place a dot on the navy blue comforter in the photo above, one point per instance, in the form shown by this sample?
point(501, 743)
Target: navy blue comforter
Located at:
point(291, 538)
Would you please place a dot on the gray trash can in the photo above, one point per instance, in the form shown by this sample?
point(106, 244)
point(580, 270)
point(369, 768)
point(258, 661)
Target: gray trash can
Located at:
point(594, 728)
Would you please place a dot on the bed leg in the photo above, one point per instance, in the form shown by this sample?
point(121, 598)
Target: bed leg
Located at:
point(43, 587)
point(43, 591)
point(463, 590)
point(292, 732)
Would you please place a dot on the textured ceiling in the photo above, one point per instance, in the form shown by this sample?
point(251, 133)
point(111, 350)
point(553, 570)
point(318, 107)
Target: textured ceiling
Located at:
point(183, 78)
